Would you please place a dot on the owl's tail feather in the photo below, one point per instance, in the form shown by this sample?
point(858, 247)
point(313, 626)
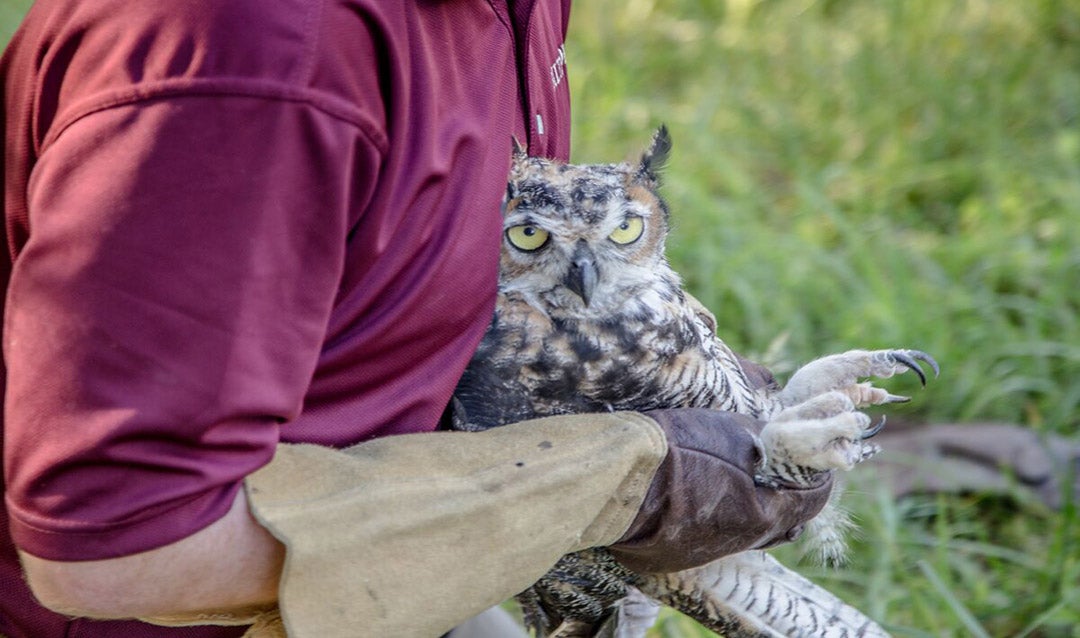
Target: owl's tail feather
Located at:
point(751, 595)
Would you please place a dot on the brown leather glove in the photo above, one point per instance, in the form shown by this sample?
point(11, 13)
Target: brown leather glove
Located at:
point(703, 502)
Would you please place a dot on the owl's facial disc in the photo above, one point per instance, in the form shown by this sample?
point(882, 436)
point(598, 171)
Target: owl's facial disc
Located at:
point(582, 276)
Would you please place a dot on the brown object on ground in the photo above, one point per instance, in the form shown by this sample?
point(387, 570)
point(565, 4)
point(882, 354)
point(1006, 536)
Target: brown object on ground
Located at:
point(976, 457)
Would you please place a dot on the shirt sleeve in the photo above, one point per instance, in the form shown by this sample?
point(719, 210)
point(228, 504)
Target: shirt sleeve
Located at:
point(167, 312)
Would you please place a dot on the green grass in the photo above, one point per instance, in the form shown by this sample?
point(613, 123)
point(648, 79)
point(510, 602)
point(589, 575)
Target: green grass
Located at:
point(11, 11)
point(897, 172)
point(876, 174)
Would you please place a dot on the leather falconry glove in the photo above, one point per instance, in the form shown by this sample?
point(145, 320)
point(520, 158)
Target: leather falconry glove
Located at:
point(411, 535)
point(703, 503)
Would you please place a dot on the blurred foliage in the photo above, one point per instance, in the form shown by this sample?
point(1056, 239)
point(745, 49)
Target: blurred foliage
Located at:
point(878, 174)
point(864, 174)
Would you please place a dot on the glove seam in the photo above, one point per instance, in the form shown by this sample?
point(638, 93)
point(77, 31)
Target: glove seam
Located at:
point(628, 498)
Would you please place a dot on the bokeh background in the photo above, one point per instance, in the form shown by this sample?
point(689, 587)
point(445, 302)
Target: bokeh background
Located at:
point(887, 173)
point(881, 173)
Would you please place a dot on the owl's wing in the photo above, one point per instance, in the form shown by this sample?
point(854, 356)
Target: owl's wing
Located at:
point(703, 313)
point(751, 595)
point(487, 396)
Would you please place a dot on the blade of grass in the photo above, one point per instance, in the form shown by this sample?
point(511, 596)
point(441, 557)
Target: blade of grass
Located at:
point(1041, 619)
point(958, 608)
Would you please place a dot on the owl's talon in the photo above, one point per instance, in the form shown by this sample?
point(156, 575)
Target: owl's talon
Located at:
point(911, 358)
point(896, 398)
point(902, 357)
point(877, 427)
point(762, 480)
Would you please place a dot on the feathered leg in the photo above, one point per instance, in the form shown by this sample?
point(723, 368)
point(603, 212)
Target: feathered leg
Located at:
point(751, 595)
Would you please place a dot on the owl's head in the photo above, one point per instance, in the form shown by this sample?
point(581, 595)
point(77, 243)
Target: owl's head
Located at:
point(586, 238)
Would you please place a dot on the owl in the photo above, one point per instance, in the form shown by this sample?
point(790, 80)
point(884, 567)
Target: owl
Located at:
point(591, 317)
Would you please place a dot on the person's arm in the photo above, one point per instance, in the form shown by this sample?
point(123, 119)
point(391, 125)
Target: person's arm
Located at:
point(410, 535)
point(230, 566)
point(163, 319)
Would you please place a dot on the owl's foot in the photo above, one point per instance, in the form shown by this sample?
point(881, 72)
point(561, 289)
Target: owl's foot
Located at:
point(822, 434)
point(841, 372)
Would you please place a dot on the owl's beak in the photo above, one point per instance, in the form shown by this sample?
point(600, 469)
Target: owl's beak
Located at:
point(582, 276)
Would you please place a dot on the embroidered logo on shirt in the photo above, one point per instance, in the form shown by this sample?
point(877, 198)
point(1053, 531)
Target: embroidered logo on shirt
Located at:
point(558, 69)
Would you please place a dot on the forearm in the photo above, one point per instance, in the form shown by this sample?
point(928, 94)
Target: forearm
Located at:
point(412, 532)
point(232, 564)
point(410, 535)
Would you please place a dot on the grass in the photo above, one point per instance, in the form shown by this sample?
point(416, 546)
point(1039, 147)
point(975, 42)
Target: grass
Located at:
point(11, 11)
point(890, 172)
point(876, 174)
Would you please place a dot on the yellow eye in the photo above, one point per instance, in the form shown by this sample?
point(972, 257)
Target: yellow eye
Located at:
point(527, 237)
point(629, 231)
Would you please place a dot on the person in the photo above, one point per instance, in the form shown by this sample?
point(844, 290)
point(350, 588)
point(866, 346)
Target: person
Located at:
point(251, 247)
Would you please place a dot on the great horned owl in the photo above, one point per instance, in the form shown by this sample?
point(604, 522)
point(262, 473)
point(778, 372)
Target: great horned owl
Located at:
point(590, 317)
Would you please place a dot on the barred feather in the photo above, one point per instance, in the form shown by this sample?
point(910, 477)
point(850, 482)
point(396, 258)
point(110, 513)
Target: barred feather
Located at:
point(751, 595)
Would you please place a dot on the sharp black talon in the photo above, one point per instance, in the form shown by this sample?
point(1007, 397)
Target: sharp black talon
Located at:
point(902, 357)
point(874, 429)
point(922, 356)
point(910, 358)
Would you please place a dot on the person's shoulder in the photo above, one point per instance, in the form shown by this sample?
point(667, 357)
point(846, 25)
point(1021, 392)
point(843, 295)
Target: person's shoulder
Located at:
point(115, 42)
point(272, 41)
point(73, 58)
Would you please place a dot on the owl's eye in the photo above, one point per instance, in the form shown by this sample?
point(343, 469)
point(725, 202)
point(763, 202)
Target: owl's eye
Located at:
point(629, 231)
point(527, 237)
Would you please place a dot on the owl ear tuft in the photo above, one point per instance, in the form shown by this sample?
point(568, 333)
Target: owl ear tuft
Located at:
point(520, 152)
point(517, 166)
point(654, 158)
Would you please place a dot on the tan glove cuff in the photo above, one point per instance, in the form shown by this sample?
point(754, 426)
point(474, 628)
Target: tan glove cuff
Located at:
point(410, 535)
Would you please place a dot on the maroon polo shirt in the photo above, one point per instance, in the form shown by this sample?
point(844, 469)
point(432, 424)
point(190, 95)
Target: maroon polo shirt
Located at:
point(236, 222)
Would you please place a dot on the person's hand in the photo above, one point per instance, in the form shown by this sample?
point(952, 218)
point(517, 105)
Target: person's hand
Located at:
point(703, 502)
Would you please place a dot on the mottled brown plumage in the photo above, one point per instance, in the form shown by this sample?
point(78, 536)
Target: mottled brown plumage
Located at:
point(590, 317)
